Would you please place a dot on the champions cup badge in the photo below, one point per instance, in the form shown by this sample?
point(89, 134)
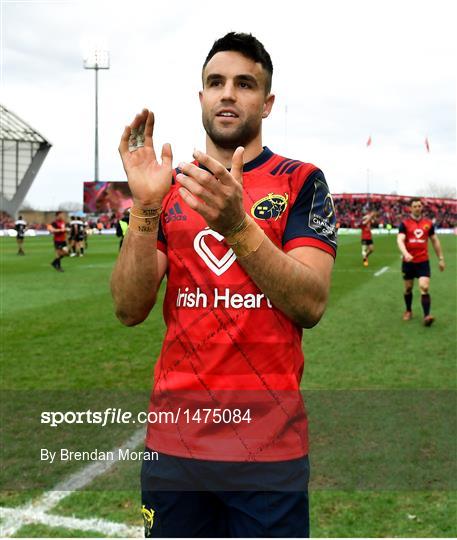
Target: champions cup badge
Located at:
point(329, 209)
point(270, 207)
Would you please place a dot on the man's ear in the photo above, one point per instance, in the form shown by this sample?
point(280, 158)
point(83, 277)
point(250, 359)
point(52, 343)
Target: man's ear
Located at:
point(200, 96)
point(268, 105)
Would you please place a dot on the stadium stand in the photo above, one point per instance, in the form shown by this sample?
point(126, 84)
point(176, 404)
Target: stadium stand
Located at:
point(23, 152)
point(391, 209)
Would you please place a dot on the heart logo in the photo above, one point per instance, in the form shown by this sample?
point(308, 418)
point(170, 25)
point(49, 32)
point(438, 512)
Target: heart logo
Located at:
point(418, 233)
point(216, 265)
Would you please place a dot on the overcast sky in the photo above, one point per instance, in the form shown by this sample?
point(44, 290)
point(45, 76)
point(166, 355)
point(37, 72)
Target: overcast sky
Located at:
point(343, 70)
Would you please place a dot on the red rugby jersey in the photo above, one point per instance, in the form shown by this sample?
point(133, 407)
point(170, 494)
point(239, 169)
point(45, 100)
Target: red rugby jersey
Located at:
point(62, 235)
point(417, 232)
point(226, 347)
point(366, 230)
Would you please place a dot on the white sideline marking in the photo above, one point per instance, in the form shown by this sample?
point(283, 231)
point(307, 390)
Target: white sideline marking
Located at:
point(361, 270)
point(101, 265)
point(109, 528)
point(36, 511)
point(379, 272)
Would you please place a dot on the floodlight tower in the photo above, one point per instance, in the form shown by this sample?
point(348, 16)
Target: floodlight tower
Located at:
point(96, 59)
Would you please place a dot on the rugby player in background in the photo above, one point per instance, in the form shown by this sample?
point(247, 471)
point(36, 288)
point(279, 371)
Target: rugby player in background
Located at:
point(72, 236)
point(367, 237)
point(80, 237)
point(20, 227)
point(122, 226)
point(58, 229)
point(247, 240)
point(412, 240)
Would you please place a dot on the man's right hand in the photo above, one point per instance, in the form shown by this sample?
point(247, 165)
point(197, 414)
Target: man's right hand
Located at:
point(408, 257)
point(149, 180)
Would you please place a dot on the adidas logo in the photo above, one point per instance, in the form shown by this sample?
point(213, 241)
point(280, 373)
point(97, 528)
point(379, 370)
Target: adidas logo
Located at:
point(175, 214)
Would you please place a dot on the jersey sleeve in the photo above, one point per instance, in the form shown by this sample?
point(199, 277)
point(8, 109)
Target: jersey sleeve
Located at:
point(162, 243)
point(402, 228)
point(161, 239)
point(432, 231)
point(312, 219)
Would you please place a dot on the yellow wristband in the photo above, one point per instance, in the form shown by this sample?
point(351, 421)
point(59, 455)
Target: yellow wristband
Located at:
point(144, 220)
point(247, 238)
point(145, 212)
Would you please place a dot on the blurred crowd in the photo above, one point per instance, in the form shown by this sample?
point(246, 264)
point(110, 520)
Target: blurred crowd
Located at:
point(7, 222)
point(391, 210)
point(97, 223)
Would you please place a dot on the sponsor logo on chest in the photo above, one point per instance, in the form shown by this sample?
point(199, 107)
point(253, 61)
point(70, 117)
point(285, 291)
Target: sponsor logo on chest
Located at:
point(418, 236)
point(218, 264)
point(196, 298)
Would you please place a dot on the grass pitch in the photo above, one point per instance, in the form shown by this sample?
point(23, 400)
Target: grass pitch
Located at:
point(61, 341)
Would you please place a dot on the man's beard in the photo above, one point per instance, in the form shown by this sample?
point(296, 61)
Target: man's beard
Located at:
point(229, 140)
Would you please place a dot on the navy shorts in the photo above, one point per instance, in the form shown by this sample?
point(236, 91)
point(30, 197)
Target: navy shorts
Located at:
point(367, 242)
point(178, 499)
point(413, 270)
point(60, 245)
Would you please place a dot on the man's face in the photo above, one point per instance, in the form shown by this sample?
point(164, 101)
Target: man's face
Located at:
point(233, 99)
point(416, 209)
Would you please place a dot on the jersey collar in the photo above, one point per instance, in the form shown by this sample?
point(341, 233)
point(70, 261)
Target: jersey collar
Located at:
point(262, 158)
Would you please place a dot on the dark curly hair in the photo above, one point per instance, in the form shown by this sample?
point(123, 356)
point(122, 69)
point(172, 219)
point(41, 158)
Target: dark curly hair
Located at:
point(248, 46)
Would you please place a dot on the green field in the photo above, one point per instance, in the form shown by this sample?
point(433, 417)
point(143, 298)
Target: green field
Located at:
point(371, 381)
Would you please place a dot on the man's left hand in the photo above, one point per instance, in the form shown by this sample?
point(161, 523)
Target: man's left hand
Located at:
point(216, 195)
